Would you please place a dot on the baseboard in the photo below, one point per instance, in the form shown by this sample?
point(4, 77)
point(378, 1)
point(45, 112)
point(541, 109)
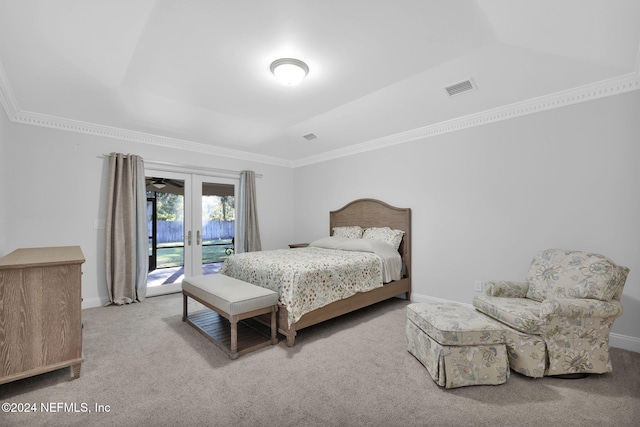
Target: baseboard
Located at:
point(93, 302)
point(151, 292)
point(624, 342)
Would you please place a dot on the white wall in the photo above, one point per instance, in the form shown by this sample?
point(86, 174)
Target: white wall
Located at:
point(4, 182)
point(58, 185)
point(486, 199)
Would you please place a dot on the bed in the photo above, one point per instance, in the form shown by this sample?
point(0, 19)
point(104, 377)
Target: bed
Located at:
point(357, 278)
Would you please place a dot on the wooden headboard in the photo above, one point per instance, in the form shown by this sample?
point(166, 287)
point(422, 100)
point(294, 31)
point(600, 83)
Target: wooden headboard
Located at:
point(375, 213)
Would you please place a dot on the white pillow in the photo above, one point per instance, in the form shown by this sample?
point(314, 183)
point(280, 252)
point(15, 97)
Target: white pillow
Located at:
point(384, 234)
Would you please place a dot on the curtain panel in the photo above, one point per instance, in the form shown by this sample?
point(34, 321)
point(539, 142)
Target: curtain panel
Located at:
point(126, 242)
point(248, 239)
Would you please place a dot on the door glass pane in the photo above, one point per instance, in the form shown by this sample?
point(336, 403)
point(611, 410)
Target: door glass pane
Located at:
point(218, 225)
point(167, 231)
point(151, 226)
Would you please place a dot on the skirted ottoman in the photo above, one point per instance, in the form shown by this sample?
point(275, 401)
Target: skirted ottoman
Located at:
point(458, 345)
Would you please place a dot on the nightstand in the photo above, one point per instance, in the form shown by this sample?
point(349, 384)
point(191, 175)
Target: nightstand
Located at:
point(298, 245)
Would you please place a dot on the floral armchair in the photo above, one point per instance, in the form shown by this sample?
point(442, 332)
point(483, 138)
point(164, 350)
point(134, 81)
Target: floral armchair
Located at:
point(558, 321)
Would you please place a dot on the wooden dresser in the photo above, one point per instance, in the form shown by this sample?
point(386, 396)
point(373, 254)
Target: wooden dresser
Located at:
point(40, 311)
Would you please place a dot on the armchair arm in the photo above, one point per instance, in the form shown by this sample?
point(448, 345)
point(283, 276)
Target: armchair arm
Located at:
point(498, 288)
point(572, 307)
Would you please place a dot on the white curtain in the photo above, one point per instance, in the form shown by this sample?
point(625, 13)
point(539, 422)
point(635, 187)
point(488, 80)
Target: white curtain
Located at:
point(248, 238)
point(126, 247)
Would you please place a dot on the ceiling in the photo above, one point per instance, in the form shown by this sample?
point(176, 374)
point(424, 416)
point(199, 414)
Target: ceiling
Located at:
point(196, 73)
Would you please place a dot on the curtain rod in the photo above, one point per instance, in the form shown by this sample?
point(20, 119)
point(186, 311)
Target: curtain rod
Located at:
point(184, 166)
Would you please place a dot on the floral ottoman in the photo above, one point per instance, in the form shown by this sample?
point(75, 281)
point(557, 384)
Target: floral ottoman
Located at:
point(458, 345)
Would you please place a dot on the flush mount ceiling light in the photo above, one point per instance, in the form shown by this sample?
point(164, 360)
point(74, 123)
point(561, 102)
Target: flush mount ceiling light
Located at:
point(289, 71)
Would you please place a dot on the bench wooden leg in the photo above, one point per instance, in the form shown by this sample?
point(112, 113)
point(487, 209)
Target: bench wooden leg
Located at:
point(184, 308)
point(234, 337)
point(274, 327)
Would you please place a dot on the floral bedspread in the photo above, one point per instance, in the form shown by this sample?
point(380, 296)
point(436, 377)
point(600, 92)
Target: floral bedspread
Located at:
point(307, 278)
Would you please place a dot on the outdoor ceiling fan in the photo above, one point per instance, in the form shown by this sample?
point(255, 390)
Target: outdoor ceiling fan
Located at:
point(160, 183)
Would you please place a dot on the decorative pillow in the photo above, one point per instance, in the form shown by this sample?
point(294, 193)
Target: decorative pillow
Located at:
point(384, 234)
point(350, 232)
point(574, 274)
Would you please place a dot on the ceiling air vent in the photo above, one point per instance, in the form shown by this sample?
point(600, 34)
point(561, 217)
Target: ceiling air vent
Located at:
point(458, 88)
point(310, 136)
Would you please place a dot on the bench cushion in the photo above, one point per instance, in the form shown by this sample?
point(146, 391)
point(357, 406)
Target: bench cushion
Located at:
point(455, 324)
point(230, 295)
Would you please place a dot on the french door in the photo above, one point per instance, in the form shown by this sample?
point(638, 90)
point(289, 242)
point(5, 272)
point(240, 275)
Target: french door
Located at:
point(191, 226)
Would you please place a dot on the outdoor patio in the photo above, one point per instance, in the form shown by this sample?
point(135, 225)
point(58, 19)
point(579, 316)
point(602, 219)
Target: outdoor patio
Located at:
point(163, 276)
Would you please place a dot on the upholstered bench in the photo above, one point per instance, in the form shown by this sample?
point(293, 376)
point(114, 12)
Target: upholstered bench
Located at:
point(458, 345)
point(234, 300)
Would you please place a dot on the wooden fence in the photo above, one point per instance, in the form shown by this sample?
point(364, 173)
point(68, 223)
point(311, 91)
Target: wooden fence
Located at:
point(173, 231)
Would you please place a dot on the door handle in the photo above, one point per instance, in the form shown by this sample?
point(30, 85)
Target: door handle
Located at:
point(189, 238)
point(198, 237)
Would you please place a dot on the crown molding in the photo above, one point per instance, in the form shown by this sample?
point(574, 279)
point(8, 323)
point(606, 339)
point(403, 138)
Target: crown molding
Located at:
point(7, 99)
point(54, 122)
point(615, 86)
point(590, 92)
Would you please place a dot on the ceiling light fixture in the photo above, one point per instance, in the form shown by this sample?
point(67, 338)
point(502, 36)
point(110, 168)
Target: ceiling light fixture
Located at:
point(289, 71)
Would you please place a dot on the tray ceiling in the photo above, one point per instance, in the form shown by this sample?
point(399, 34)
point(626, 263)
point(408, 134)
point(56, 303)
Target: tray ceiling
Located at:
point(195, 74)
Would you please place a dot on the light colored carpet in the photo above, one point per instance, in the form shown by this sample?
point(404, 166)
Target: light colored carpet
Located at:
point(152, 369)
